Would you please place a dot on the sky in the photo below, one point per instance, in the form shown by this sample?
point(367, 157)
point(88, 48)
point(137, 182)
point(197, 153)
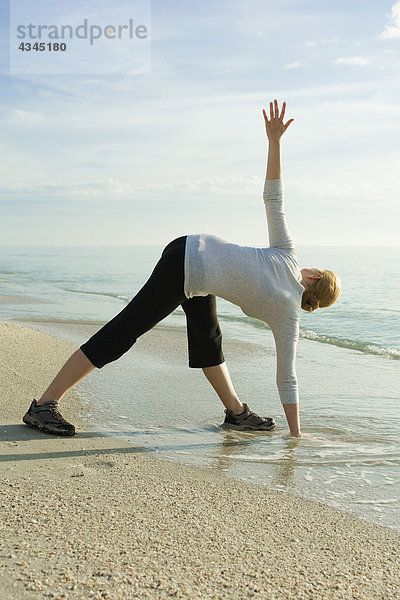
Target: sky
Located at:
point(141, 158)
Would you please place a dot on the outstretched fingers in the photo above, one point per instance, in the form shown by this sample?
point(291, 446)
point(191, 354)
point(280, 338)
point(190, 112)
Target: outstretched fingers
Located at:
point(276, 109)
point(288, 123)
point(275, 125)
point(283, 111)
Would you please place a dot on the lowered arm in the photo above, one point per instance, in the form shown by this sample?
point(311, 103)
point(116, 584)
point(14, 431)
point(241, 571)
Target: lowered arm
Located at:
point(286, 338)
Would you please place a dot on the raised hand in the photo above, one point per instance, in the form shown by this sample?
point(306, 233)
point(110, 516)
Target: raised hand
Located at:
point(274, 126)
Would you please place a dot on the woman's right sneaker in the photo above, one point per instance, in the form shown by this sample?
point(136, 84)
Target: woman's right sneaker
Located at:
point(247, 421)
point(48, 418)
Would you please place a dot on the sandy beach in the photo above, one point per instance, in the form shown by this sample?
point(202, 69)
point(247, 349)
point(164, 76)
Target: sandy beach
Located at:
point(93, 517)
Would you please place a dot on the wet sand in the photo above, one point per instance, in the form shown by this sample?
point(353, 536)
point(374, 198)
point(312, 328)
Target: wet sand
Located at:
point(93, 517)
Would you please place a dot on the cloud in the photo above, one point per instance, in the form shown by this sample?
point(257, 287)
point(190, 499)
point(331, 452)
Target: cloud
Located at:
point(67, 189)
point(231, 186)
point(334, 40)
point(392, 28)
point(26, 118)
point(352, 60)
point(352, 190)
point(326, 41)
point(294, 65)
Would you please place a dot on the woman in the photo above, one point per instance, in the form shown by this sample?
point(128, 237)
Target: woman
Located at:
point(266, 283)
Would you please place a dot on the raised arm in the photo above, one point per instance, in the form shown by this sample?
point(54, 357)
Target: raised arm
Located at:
point(275, 129)
point(279, 235)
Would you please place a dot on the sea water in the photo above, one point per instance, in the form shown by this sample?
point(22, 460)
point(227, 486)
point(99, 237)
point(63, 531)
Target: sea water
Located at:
point(348, 365)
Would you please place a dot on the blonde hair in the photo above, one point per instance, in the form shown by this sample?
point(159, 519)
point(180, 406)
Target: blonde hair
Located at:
point(324, 293)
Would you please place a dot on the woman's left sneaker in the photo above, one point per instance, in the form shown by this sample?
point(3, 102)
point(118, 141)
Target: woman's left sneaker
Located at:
point(48, 418)
point(247, 421)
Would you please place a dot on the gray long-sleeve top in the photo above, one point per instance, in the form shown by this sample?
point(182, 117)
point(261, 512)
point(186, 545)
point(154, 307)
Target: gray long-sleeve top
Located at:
point(264, 282)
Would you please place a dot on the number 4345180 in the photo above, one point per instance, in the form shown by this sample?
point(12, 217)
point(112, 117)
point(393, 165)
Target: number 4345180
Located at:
point(42, 47)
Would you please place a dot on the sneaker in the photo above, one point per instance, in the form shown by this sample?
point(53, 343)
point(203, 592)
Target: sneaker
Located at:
point(247, 421)
point(47, 417)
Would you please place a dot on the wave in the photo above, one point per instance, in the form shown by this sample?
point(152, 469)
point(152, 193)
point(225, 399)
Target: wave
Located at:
point(364, 347)
point(107, 294)
point(59, 321)
point(308, 334)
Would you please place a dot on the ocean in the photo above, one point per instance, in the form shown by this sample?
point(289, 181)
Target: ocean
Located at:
point(348, 367)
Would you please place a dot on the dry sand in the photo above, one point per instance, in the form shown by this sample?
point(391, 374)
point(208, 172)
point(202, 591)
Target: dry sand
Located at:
point(91, 517)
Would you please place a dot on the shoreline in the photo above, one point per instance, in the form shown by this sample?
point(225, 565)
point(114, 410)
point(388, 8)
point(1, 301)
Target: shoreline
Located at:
point(115, 522)
point(154, 398)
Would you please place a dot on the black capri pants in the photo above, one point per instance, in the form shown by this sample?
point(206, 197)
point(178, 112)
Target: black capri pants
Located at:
point(161, 295)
